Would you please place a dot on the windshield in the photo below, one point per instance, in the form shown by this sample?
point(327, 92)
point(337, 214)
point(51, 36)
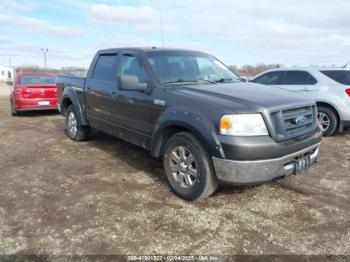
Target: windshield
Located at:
point(340, 76)
point(185, 66)
point(37, 79)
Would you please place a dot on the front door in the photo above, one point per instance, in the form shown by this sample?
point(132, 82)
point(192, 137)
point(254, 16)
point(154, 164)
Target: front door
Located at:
point(133, 109)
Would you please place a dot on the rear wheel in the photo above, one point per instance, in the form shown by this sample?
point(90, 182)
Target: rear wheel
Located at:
point(188, 167)
point(14, 112)
point(328, 120)
point(75, 130)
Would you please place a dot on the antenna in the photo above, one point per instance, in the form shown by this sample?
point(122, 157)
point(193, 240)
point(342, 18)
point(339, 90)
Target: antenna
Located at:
point(162, 29)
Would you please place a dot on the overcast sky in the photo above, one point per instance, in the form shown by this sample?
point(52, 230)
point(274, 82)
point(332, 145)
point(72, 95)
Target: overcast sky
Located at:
point(289, 32)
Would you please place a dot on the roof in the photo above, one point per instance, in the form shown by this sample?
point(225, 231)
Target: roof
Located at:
point(35, 74)
point(306, 68)
point(310, 68)
point(147, 49)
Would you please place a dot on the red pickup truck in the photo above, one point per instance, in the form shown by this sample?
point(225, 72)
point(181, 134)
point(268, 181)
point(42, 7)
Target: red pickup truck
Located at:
point(33, 91)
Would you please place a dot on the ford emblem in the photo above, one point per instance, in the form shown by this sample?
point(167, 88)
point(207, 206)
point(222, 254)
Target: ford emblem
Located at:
point(299, 120)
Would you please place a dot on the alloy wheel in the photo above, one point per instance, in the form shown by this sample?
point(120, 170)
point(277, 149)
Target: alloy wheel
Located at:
point(183, 167)
point(324, 120)
point(72, 125)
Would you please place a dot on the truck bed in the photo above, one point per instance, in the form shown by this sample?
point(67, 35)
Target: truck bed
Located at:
point(64, 80)
point(76, 82)
point(67, 80)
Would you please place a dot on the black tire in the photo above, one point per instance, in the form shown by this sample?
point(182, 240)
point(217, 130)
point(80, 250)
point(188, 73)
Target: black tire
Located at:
point(82, 132)
point(333, 120)
point(14, 112)
point(205, 182)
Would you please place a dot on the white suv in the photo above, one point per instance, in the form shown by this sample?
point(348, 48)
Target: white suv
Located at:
point(330, 87)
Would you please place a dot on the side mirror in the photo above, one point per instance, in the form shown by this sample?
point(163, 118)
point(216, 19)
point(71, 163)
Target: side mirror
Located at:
point(130, 83)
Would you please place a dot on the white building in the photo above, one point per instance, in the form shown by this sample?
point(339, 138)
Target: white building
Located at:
point(7, 73)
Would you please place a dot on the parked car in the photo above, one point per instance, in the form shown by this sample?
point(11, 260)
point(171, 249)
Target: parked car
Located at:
point(33, 91)
point(330, 87)
point(189, 109)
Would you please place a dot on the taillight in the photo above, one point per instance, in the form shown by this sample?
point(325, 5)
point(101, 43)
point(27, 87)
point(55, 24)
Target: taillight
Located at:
point(22, 91)
point(347, 91)
point(26, 92)
point(18, 91)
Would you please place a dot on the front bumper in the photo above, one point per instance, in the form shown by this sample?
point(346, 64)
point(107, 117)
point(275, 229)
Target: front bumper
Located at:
point(259, 171)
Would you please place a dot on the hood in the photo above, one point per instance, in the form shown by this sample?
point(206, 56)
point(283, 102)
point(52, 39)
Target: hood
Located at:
point(249, 95)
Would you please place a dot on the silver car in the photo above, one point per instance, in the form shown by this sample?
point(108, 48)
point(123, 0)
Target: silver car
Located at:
point(330, 87)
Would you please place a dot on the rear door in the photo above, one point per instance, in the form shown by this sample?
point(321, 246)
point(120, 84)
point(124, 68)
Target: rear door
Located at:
point(298, 80)
point(100, 87)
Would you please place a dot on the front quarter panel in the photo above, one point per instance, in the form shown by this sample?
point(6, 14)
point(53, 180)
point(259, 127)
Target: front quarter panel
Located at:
point(184, 117)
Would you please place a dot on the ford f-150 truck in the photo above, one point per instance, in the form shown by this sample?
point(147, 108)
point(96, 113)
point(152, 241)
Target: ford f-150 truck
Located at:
point(191, 111)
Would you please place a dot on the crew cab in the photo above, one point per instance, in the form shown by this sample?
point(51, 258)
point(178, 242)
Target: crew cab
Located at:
point(190, 110)
point(33, 91)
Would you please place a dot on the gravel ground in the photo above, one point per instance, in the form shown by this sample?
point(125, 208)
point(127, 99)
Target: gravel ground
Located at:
point(4, 90)
point(104, 196)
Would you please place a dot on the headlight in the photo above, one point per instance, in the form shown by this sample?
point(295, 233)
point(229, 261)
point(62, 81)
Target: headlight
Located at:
point(243, 125)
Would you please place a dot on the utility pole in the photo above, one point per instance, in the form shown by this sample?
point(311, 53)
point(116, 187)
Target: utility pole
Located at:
point(45, 50)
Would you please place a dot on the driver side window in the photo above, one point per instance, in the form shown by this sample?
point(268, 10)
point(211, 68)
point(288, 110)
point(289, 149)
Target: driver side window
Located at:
point(272, 78)
point(130, 66)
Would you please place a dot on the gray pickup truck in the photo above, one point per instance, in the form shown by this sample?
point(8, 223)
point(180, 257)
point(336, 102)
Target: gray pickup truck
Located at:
point(191, 111)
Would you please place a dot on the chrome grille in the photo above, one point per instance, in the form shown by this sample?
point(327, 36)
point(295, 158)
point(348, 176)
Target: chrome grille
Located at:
point(294, 122)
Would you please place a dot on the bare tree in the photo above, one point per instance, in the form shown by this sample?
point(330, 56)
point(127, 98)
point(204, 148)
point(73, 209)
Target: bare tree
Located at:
point(251, 70)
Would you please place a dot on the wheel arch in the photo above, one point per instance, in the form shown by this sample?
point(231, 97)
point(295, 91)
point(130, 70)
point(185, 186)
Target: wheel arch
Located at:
point(206, 137)
point(69, 97)
point(66, 101)
point(333, 108)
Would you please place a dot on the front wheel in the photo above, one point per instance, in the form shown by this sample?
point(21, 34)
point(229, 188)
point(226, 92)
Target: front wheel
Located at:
point(75, 130)
point(328, 120)
point(188, 167)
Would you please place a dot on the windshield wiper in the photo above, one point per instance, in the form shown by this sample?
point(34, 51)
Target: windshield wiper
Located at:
point(187, 81)
point(208, 81)
point(223, 80)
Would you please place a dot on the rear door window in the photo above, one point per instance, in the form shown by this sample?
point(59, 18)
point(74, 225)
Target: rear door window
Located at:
point(298, 78)
point(340, 76)
point(105, 67)
point(272, 78)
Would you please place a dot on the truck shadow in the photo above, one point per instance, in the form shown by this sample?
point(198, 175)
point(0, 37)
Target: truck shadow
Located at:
point(134, 157)
point(131, 156)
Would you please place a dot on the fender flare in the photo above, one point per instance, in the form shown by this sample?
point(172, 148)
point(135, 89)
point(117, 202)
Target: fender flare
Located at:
point(199, 125)
point(69, 94)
